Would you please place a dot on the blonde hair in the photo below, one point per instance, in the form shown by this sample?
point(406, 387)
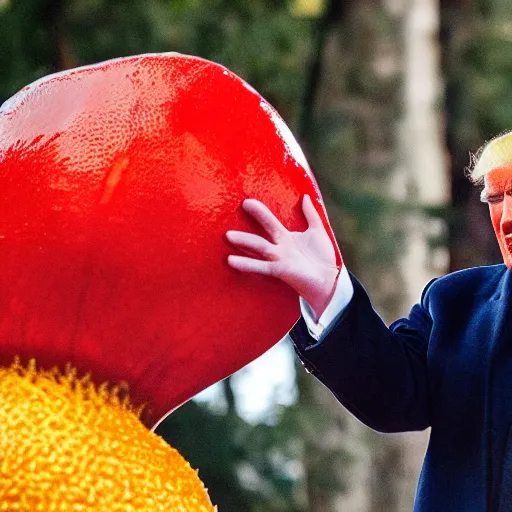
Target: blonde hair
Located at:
point(495, 153)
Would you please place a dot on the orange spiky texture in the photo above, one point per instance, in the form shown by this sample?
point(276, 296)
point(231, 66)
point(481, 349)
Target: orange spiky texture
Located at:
point(67, 445)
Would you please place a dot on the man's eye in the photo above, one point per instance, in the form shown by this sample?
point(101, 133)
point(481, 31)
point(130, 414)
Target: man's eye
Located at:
point(494, 199)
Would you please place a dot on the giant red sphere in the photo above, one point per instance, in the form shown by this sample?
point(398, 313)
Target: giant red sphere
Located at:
point(118, 182)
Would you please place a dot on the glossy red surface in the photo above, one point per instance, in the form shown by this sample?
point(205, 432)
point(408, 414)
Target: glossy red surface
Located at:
point(117, 184)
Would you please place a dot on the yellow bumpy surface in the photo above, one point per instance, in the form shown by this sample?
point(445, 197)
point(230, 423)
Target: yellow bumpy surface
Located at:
point(66, 445)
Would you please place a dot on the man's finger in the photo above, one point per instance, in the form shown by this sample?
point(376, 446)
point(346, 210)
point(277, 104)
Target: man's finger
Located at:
point(244, 264)
point(310, 212)
point(262, 214)
point(254, 243)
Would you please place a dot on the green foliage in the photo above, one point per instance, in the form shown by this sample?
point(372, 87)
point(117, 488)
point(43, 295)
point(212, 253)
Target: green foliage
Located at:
point(245, 467)
point(25, 54)
point(260, 41)
point(102, 30)
point(477, 44)
point(479, 73)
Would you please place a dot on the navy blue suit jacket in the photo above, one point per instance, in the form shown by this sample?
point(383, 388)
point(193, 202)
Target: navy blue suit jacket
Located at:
point(447, 366)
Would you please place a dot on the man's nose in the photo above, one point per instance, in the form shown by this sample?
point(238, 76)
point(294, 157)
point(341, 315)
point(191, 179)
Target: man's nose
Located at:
point(506, 216)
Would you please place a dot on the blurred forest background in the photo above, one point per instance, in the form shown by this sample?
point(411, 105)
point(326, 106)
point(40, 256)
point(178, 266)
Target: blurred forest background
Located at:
point(388, 99)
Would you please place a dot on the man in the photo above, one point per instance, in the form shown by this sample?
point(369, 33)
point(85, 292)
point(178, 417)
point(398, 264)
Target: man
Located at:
point(448, 365)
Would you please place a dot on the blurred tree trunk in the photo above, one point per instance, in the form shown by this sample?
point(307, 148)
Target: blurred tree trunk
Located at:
point(463, 22)
point(377, 129)
point(54, 16)
point(421, 176)
point(327, 458)
point(329, 448)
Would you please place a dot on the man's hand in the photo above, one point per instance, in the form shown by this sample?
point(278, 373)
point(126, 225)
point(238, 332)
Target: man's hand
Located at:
point(304, 260)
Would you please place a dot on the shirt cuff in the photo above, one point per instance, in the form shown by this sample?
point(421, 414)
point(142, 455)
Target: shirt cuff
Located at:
point(340, 300)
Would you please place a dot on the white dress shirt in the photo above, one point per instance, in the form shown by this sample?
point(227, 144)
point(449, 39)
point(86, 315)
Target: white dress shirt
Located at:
point(342, 296)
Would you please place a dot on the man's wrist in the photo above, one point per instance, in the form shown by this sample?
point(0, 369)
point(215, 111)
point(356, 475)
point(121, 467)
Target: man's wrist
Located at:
point(320, 295)
point(342, 295)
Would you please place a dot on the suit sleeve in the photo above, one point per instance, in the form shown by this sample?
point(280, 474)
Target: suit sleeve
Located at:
point(378, 373)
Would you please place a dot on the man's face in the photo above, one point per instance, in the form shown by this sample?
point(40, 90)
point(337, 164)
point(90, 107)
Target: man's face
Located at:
point(498, 194)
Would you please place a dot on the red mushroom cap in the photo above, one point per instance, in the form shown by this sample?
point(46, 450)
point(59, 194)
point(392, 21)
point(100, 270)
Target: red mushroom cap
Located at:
point(118, 182)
